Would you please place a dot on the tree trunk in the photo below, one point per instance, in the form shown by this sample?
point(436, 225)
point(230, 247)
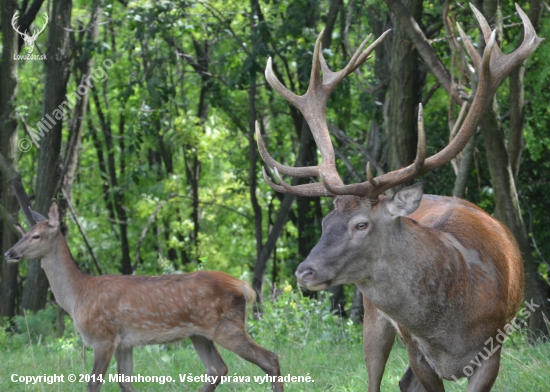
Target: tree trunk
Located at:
point(464, 168)
point(57, 75)
point(84, 65)
point(8, 148)
point(404, 94)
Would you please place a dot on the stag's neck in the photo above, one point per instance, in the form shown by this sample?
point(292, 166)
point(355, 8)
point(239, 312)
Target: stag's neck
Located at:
point(411, 254)
point(64, 276)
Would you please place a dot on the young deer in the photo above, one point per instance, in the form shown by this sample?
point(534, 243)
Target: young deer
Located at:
point(115, 313)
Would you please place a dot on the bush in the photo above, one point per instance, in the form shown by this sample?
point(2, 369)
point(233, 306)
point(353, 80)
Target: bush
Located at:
point(289, 317)
point(35, 327)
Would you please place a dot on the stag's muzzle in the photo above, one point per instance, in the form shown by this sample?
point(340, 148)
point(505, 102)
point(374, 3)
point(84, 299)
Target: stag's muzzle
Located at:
point(308, 277)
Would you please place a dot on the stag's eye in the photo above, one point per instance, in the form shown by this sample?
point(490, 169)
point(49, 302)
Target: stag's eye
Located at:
point(35, 237)
point(361, 226)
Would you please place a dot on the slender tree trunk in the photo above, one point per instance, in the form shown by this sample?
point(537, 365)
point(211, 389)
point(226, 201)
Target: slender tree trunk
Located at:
point(85, 64)
point(8, 148)
point(464, 168)
point(404, 94)
point(57, 75)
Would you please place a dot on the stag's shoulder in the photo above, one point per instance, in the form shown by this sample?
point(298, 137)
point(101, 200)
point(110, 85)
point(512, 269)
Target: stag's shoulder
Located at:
point(466, 222)
point(440, 211)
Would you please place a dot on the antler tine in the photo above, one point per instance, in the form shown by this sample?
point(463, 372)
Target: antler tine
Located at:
point(365, 55)
point(331, 79)
point(307, 171)
point(376, 186)
point(371, 179)
point(314, 189)
point(472, 52)
point(296, 100)
point(273, 186)
point(421, 145)
point(485, 28)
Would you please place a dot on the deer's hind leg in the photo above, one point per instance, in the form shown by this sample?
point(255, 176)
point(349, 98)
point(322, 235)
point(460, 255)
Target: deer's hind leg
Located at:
point(232, 336)
point(212, 360)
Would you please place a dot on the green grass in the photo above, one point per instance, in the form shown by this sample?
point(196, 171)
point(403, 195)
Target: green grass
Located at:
point(307, 338)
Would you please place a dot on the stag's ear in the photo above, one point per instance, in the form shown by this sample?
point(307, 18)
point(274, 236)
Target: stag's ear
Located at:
point(54, 214)
point(19, 229)
point(37, 217)
point(406, 201)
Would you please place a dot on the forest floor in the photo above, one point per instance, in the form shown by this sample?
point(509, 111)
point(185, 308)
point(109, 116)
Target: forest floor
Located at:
point(308, 339)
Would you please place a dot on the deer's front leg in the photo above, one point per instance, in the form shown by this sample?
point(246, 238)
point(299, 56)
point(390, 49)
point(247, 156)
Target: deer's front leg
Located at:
point(484, 377)
point(378, 338)
point(125, 364)
point(102, 358)
point(420, 376)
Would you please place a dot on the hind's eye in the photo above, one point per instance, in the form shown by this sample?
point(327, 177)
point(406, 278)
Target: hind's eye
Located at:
point(35, 237)
point(361, 226)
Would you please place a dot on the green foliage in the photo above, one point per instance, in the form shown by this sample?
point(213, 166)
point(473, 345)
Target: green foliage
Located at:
point(180, 88)
point(34, 327)
point(289, 318)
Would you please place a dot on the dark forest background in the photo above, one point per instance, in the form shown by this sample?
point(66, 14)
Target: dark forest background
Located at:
point(155, 163)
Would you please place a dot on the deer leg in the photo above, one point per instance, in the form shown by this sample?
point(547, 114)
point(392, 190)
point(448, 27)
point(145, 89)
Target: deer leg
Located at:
point(102, 358)
point(378, 338)
point(484, 376)
point(419, 377)
point(125, 365)
point(234, 338)
point(212, 360)
point(409, 382)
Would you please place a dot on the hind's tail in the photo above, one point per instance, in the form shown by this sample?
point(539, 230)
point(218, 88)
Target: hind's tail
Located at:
point(249, 293)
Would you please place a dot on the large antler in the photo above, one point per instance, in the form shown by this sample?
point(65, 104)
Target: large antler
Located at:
point(492, 68)
point(313, 107)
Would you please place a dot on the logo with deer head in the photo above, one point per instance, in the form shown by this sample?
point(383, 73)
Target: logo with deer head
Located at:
point(29, 39)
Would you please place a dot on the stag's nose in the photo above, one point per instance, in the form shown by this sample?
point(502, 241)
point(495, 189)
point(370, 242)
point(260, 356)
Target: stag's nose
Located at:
point(305, 275)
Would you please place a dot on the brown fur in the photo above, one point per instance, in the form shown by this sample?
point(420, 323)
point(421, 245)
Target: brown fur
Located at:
point(115, 313)
point(439, 271)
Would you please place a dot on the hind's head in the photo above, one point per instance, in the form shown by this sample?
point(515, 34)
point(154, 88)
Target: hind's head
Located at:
point(38, 241)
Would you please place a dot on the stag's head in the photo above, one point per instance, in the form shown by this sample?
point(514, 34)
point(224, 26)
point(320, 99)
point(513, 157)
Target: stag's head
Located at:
point(38, 241)
point(28, 39)
point(363, 219)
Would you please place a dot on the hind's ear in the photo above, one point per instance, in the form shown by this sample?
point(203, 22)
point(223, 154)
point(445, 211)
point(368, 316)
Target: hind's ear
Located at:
point(38, 218)
point(19, 229)
point(54, 214)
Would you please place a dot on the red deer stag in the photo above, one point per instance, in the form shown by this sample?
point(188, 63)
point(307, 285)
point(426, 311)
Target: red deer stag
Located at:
point(115, 313)
point(438, 270)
